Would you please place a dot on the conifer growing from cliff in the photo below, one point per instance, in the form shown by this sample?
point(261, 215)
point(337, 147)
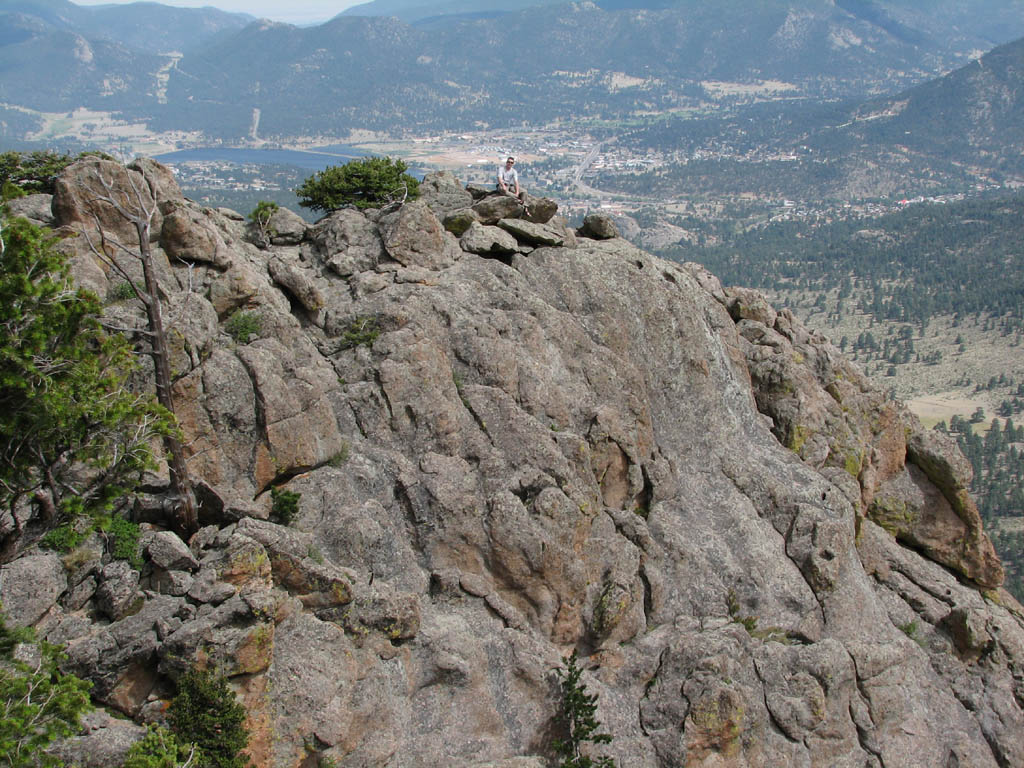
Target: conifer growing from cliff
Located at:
point(579, 718)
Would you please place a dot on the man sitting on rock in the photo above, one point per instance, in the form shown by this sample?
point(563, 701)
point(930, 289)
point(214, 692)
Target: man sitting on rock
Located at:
point(508, 180)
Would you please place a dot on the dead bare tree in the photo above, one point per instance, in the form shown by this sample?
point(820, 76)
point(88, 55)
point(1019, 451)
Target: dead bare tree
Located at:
point(129, 203)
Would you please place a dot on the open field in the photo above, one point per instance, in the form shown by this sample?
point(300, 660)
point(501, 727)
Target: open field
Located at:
point(931, 409)
point(106, 131)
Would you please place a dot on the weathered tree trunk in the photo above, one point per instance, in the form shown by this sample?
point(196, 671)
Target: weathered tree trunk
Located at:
point(133, 209)
point(181, 481)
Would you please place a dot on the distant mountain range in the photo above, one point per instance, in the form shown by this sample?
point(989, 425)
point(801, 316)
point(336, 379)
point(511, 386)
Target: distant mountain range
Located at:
point(425, 11)
point(144, 26)
point(973, 115)
point(609, 61)
point(916, 21)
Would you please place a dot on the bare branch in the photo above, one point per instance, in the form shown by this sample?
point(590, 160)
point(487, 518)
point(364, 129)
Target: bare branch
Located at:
point(124, 329)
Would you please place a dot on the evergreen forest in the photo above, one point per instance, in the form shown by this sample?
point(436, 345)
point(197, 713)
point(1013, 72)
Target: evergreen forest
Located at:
point(963, 258)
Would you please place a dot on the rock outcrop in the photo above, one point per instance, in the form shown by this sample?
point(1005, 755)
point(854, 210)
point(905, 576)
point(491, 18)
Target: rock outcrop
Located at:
point(761, 560)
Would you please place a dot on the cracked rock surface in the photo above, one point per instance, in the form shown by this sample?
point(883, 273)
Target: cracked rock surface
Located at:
point(761, 560)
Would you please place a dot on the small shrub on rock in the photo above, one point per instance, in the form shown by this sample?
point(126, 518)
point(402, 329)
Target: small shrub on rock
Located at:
point(124, 540)
point(284, 504)
point(121, 291)
point(161, 749)
point(362, 330)
point(260, 220)
point(63, 538)
point(242, 324)
point(579, 719)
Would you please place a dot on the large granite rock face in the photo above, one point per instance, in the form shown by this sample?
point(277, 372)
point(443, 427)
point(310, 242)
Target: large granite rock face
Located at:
point(503, 460)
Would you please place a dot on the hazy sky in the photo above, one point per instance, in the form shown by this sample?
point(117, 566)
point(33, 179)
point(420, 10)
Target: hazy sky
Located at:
point(291, 11)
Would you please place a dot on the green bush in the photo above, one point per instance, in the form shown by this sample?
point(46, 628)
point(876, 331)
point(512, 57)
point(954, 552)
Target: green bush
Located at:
point(63, 538)
point(362, 330)
point(260, 217)
point(124, 537)
point(122, 291)
point(160, 748)
point(285, 504)
point(369, 182)
point(241, 325)
point(339, 458)
point(11, 191)
point(206, 712)
point(38, 704)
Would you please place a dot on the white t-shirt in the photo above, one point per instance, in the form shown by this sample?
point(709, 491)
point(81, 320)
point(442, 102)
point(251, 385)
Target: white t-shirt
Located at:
point(509, 176)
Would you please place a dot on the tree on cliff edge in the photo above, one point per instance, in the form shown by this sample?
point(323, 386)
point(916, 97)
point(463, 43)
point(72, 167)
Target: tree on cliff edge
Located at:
point(73, 436)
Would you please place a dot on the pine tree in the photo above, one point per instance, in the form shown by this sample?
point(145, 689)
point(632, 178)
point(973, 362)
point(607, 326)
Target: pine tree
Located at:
point(38, 704)
point(369, 182)
point(206, 713)
point(579, 717)
point(73, 436)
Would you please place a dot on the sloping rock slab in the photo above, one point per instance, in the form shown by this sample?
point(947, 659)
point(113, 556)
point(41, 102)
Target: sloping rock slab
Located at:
point(35, 208)
point(30, 586)
point(76, 193)
point(479, 191)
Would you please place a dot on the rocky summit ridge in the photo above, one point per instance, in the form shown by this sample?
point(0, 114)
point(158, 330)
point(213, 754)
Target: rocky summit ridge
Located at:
point(512, 440)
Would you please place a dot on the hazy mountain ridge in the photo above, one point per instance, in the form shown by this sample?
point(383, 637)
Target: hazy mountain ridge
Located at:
point(460, 74)
point(567, 61)
point(146, 26)
point(96, 72)
point(56, 56)
point(415, 11)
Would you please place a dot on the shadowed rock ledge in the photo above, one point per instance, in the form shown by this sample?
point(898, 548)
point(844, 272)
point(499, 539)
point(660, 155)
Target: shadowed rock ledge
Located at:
point(761, 559)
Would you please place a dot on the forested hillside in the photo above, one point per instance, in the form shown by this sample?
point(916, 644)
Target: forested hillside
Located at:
point(573, 61)
point(963, 258)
